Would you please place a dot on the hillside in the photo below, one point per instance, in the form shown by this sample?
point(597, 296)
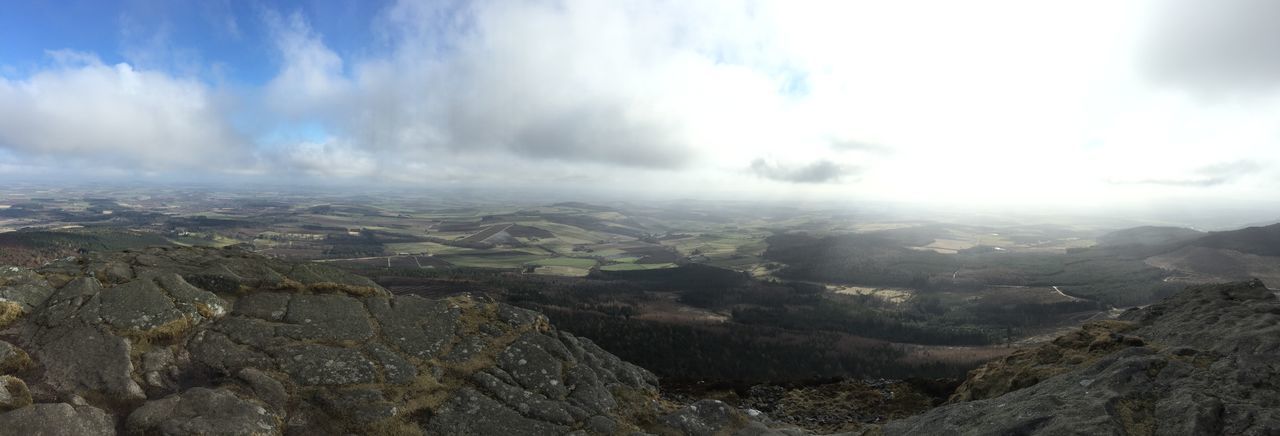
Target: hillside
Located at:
point(1200, 362)
point(1244, 254)
point(1262, 241)
point(1149, 235)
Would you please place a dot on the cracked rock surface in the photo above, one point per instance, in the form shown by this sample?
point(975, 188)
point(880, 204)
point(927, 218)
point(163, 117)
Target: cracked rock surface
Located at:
point(1203, 362)
point(187, 341)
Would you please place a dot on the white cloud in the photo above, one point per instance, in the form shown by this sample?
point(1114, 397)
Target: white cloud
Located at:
point(954, 102)
point(82, 109)
point(324, 159)
point(986, 101)
point(311, 81)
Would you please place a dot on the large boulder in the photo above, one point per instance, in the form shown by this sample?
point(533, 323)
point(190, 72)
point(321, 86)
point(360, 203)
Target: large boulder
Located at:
point(58, 419)
point(21, 290)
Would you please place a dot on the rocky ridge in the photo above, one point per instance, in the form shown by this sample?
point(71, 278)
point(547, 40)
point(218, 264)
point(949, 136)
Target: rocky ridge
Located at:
point(185, 341)
point(1205, 361)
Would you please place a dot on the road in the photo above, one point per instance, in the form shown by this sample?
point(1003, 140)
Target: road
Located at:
point(1059, 291)
point(351, 258)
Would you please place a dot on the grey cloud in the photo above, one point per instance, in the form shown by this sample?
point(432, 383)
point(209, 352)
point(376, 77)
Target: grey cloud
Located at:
point(1206, 176)
point(1219, 45)
point(322, 159)
point(1230, 169)
point(488, 90)
point(1191, 182)
point(855, 145)
point(821, 171)
point(595, 132)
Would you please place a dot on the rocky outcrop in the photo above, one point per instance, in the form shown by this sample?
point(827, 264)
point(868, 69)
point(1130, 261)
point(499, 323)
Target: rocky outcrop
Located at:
point(1025, 368)
point(1204, 361)
point(186, 341)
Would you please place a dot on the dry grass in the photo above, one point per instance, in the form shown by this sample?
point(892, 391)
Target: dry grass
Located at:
point(209, 312)
point(355, 291)
point(10, 312)
point(426, 392)
point(393, 427)
point(17, 391)
point(168, 331)
point(1028, 367)
point(19, 362)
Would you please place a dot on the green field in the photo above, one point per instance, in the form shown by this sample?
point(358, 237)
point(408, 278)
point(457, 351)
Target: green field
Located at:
point(566, 261)
point(636, 266)
point(501, 260)
point(562, 271)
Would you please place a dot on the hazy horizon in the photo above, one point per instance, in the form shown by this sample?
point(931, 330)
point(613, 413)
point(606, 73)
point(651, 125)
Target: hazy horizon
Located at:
point(1225, 215)
point(1158, 110)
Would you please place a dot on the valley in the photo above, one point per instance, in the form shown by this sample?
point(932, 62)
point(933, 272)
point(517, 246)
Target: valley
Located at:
point(808, 293)
point(759, 306)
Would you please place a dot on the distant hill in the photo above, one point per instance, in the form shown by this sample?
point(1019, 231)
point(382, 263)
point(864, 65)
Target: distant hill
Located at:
point(1149, 235)
point(36, 247)
point(1252, 252)
point(1262, 241)
point(584, 206)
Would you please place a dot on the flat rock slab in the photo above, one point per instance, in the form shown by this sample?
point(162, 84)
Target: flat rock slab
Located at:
point(327, 317)
point(320, 365)
point(202, 411)
point(137, 306)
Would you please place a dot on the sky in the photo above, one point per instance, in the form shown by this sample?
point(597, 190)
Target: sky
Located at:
point(981, 103)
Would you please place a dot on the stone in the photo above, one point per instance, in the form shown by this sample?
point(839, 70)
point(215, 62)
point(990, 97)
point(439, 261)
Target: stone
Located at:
point(319, 365)
point(190, 300)
point(82, 357)
point(266, 388)
point(60, 419)
point(395, 368)
point(21, 291)
point(414, 325)
point(602, 424)
point(325, 278)
point(142, 308)
point(64, 304)
point(113, 272)
point(268, 306)
point(203, 411)
point(469, 412)
point(159, 369)
point(704, 418)
point(534, 368)
point(328, 317)
point(358, 407)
